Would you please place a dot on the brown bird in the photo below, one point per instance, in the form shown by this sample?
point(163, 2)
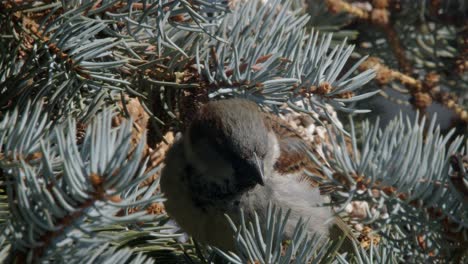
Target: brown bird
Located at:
point(233, 156)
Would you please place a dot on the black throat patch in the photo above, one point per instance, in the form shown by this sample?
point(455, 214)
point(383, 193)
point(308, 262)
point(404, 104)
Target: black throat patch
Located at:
point(206, 194)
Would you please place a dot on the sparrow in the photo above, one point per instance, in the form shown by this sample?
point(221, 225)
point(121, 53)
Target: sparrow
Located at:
point(234, 157)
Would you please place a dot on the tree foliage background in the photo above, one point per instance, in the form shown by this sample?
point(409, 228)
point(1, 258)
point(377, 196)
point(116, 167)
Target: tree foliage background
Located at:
point(92, 94)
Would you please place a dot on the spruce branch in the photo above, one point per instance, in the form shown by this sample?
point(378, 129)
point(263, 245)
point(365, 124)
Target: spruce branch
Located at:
point(62, 193)
point(266, 60)
point(80, 54)
point(64, 59)
point(377, 253)
point(267, 55)
point(72, 190)
point(424, 46)
point(379, 16)
point(104, 253)
point(423, 91)
point(264, 242)
point(410, 201)
point(325, 20)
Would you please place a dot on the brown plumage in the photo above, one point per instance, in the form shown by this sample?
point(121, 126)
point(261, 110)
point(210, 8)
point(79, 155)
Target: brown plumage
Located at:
point(293, 157)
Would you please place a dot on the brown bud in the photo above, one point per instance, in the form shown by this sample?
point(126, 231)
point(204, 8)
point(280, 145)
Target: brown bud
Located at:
point(380, 16)
point(383, 73)
point(422, 100)
point(323, 88)
point(96, 180)
point(115, 198)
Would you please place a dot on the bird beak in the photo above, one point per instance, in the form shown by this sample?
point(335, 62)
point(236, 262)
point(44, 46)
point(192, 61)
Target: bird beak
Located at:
point(259, 176)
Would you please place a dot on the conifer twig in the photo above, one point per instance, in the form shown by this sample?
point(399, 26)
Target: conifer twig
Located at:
point(423, 91)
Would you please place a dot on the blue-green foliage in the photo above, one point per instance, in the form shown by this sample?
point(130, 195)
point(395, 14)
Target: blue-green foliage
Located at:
point(411, 161)
point(69, 198)
point(55, 203)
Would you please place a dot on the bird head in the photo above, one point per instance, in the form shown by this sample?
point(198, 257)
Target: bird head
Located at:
point(227, 143)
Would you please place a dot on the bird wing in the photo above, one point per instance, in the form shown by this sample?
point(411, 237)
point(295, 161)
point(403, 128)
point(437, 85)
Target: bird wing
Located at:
point(293, 158)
